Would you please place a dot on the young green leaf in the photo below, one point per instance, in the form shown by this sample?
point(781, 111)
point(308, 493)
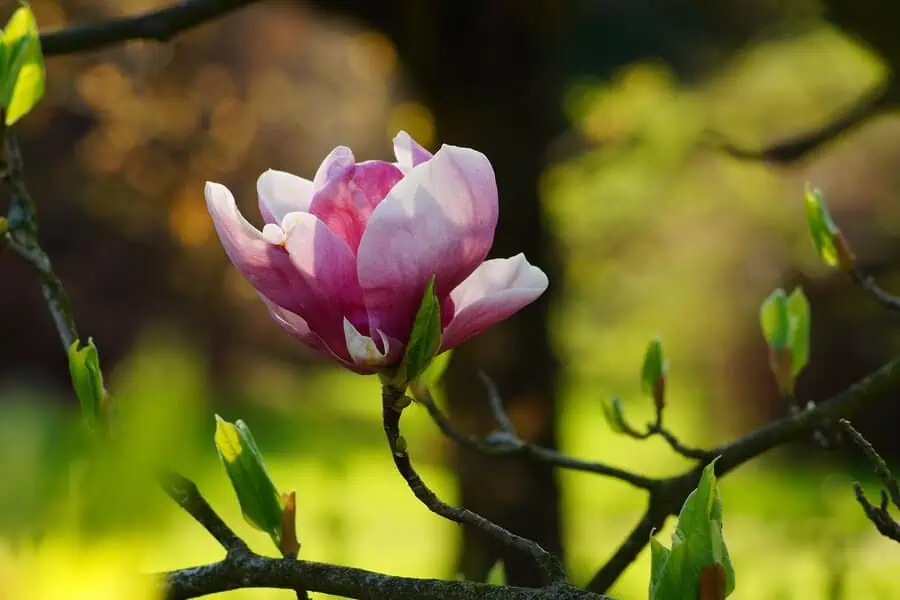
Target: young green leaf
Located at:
point(697, 544)
point(261, 504)
point(612, 412)
point(87, 380)
point(22, 83)
point(773, 316)
point(653, 373)
point(826, 236)
point(799, 318)
point(425, 338)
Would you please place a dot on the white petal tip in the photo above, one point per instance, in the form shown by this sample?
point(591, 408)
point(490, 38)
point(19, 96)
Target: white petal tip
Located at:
point(273, 234)
point(363, 349)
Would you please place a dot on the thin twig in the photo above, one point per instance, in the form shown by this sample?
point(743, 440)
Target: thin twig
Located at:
point(878, 515)
point(186, 495)
point(496, 402)
point(627, 552)
point(505, 444)
point(868, 285)
point(393, 403)
point(160, 25)
point(21, 235)
point(881, 469)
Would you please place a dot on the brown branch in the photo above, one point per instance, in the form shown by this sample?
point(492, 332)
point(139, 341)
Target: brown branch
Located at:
point(20, 234)
point(159, 25)
point(878, 515)
point(669, 494)
point(185, 494)
point(253, 571)
point(243, 568)
point(507, 443)
point(393, 403)
point(869, 286)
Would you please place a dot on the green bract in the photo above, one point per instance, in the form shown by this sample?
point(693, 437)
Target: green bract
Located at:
point(260, 501)
point(87, 379)
point(697, 544)
point(21, 66)
point(424, 340)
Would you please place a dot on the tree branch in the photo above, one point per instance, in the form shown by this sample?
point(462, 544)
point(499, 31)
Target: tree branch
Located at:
point(253, 571)
point(668, 496)
point(243, 568)
point(507, 443)
point(393, 403)
point(21, 235)
point(160, 25)
point(869, 286)
point(185, 494)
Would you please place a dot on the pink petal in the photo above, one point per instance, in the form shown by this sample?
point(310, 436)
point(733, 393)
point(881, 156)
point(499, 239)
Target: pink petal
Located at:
point(326, 269)
point(439, 220)
point(338, 160)
point(347, 201)
point(496, 290)
point(408, 152)
point(296, 326)
point(266, 266)
point(281, 193)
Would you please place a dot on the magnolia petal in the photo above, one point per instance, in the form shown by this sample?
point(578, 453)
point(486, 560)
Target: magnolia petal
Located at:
point(266, 266)
point(296, 326)
point(338, 160)
point(347, 201)
point(327, 267)
point(495, 291)
point(409, 152)
point(281, 193)
point(366, 353)
point(439, 221)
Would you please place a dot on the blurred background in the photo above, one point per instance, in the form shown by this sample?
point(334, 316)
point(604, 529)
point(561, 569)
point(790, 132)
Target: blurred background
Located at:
point(651, 157)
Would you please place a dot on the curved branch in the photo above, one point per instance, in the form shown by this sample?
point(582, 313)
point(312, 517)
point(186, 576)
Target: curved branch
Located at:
point(393, 403)
point(507, 443)
point(160, 25)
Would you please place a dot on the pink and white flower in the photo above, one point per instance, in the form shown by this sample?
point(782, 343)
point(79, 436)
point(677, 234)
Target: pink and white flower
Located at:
point(343, 260)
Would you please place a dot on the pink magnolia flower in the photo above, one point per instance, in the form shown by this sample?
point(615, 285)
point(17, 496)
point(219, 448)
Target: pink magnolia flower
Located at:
point(343, 260)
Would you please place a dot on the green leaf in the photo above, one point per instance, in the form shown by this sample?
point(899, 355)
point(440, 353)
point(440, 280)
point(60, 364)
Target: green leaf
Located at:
point(615, 417)
point(22, 84)
point(425, 338)
point(87, 380)
point(659, 556)
point(773, 316)
point(697, 543)
point(799, 318)
point(261, 504)
point(825, 234)
point(433, 373)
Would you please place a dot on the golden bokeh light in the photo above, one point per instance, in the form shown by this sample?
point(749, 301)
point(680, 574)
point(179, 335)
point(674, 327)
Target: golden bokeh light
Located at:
point(415, 119)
